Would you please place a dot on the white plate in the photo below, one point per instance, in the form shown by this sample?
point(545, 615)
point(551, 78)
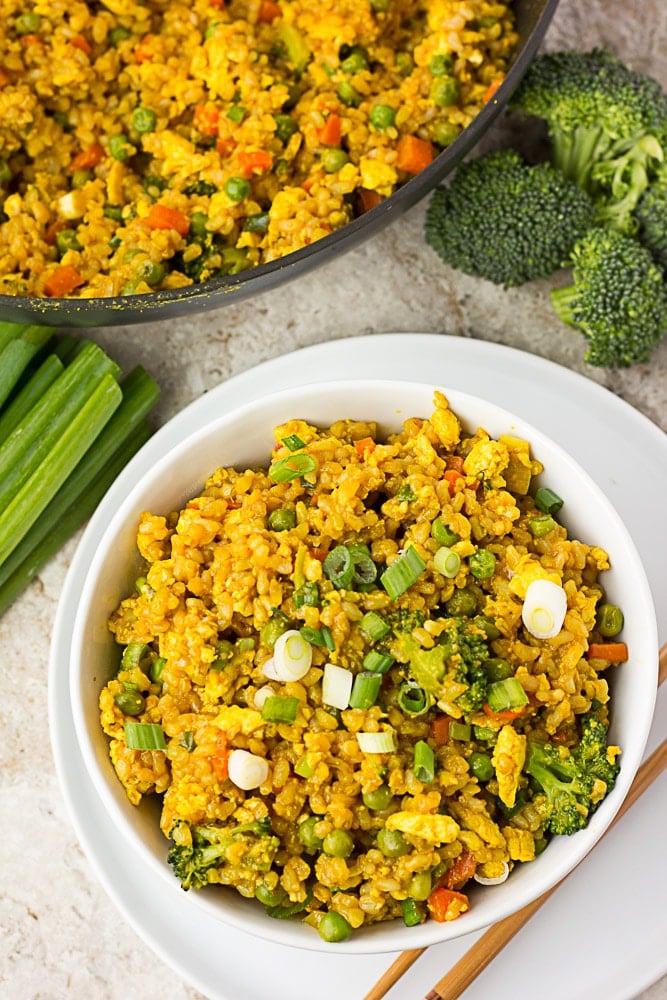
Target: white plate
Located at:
point(602, 933)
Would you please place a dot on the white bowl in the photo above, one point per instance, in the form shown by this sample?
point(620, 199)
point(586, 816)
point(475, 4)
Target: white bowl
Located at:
point(243, 438)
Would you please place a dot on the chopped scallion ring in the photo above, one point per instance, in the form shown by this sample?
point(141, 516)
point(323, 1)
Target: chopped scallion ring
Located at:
point(261, 695)
point(544, 609)
point(403, 572)
point(412, 698)
point(293, 442)
point(339, 567)
point(144, 736)
point(247, 770)
point(292, 467)
point(547, 501)
point(424, 762)
point(447, 562)
point(377, 662)
point(292, 656)
point(506, 694)
point(374, 626)
point(365, 689)
point(376, 742)
point(336, 686)
point(280, 708)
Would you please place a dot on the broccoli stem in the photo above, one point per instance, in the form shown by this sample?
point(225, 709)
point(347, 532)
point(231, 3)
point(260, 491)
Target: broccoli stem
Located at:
point(563, 300)
point(574, 153)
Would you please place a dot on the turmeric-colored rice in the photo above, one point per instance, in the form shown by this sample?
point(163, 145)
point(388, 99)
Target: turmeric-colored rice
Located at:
point(333, 826)
point(150, 145)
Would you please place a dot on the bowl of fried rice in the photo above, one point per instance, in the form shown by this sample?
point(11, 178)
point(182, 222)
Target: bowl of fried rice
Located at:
point(364, 665)
point(160, 159)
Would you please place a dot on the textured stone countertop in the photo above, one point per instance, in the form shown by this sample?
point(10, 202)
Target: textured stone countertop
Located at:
point(60, 935)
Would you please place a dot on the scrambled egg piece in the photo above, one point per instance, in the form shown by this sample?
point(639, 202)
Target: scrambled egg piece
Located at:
point(487, 458)
point(527, 570)
point(435, 829)
point(520, 844)
point(445, 423)
point(508, 758)
point(234, 719)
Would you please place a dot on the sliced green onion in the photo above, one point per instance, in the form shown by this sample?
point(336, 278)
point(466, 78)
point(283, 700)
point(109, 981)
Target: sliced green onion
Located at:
point(377, 662)
point(292, 467)
point(403, 572)
point(338, 567)
point(382, 742)
point(280, 708)
point(547, 501)
point(364, 571)
point(544, 608)
point(304, 768)
point(482, 564)
point(484, 733)
point(261, 696)
point(292, 656)
point(247, 770)
point(245, 644)
point(336, 686)
point(328, 638)
point(157, 669)
point(374, 626)
point(459, 730)
point(506, 694)
point(144, 736)
point(412, 698)
point(293, 442)
point(442, 534)
point(187, 741)
point(447, 562)
point(541, 526)
point(307, 596)
point(424, 762)
point(412, 914)
point(365, 689)
point(312, 635)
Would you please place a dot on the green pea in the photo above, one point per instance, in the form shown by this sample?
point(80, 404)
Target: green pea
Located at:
point(348, 95)
point(144, 120)
point(609, 620)
point(152, 272)
point(488, 626)
point(462, 603)
point(338, 844)
point(481, 766)
point(420, 886)
point(440, 64)
point(81, 177)
point(130, 702)
point(270, 897)
point(236, 113)
point(445, 133)
point(66, 240)
point(282, 519)
point(27, 24)
point(392, 843)
point(498, 669)
point(482, 564)
point(198, 221)
point(404, 63)
point(117, 35)
point(237, 188)
point(442, 534)
point(334, 927)
point(307, 835)
point(333, 159)
point(378, 799)
point(445, 91)
point(121, 148)
point(272, 630)
point(355, 62)
point(382, 116)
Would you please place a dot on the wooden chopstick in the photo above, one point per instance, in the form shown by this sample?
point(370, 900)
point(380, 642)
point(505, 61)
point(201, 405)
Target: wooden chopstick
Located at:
point(461, 975)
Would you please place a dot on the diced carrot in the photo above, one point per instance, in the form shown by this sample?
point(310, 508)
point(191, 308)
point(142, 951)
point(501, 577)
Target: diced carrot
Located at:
point(452, 477)
point(318, 553)
point(612, 652)
point(331, 131)
point(413, 154)
point(446, 904)
point(217, 3)
point(268, 11)
point(5, 78)
point(220, 758)
point(163, 217)
point(504, 715)
point(440, 729)
point(87, 158)
point(144, 52)
point(224, 146)
point(364, 446)
point(206, 118)
point(28, 40)
point(459, 872)
point(367, 199)
point(492, 89)
point(255, 161)
point(81, 42)
point(62, 281)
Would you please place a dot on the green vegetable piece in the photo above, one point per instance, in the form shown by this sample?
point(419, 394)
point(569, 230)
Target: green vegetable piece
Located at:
point(392, 843)
point(307, 835)
point(338, 843)
point(282, 519)
point(378, 799)
point(609, 620)
point(130, 702)
point(481, 766)
point(144, 120)
point(482, 564)
point(237, 188)
point(334, 927)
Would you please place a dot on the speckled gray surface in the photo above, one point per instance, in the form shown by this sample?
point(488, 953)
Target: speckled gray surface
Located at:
point(60, 936)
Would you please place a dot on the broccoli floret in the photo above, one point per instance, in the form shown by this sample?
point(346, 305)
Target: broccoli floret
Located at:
point(651, 216)
point(458, 657)
point(404, 619)
point(618, 299)
point(570, 779)
point(606, 123)
point(507, 221)
point(195, 850)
